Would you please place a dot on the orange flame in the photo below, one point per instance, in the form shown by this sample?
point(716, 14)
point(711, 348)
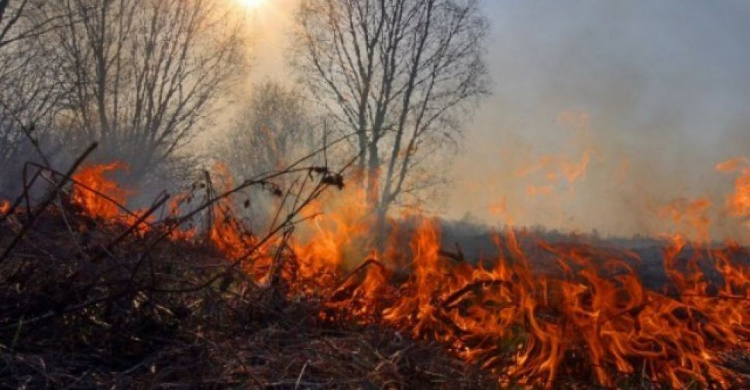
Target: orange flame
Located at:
point(518, 316)
point(690, 217)
point(94, 184)
point(738, 203)
point(103, 198)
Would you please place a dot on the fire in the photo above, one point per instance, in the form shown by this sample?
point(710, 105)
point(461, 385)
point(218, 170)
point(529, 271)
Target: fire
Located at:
point(576, 170)
point(103, 198)
point(738, 203)
point(499, 208)
point(415, 305)
point(611, 322)
point(690, 217)
point(93, 184)
point(224, 230)
point(337, 237)
point(531, 316)
point(553, 169)
point(4, 206)
point(732, 164)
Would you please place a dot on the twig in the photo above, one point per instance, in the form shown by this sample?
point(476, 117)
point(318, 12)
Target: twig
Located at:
point(458, 257)
point(92, 190)
point(47, 201)
point(132, 227)
point(366, 264)
point(299, 377)
point(663, 297)
point(20, 198)
point(458, 294)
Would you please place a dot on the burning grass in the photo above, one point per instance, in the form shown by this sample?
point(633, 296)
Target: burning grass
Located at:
point(77, 311)
point(92, 299)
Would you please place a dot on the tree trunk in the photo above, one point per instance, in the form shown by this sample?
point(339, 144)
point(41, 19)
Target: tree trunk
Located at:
point(373, 176)
point(377, 202)
point(381, 236)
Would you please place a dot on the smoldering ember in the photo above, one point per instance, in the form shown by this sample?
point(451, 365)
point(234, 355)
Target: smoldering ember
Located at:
point(335, 194)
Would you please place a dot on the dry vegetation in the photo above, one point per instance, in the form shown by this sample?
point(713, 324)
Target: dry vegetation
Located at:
point(90, 302)
point(94, 295)
point(185, 294)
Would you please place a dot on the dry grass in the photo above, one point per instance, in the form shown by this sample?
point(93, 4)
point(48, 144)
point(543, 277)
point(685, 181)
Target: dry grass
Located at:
point(79, 312)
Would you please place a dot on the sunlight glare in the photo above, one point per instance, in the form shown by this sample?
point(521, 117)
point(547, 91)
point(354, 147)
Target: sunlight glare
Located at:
point(252, 3)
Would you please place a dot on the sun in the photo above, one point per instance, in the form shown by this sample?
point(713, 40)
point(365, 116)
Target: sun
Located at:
point(252, 3)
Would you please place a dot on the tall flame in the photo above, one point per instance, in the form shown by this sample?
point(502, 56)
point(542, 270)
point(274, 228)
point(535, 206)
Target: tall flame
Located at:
point(738, 203)
point(517, 316)
point(95, 183)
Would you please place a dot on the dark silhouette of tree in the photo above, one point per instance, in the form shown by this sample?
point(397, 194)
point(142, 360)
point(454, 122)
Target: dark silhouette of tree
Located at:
point(13, 14)
point(28, 86)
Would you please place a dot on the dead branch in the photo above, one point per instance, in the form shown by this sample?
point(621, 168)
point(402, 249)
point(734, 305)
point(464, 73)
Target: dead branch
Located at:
point(46, 202)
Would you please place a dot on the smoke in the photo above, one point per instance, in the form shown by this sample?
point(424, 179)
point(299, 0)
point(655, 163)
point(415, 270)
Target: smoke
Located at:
point(604, 113)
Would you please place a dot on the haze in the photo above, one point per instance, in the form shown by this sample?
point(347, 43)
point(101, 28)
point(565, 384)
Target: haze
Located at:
point(651, 94)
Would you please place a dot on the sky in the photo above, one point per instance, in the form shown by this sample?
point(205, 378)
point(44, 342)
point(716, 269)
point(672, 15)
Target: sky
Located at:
point(602, 113)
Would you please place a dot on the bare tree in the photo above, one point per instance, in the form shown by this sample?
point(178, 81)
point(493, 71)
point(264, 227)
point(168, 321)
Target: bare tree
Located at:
point(274, 128)
point(28, 97)
point(28, 87)
point(142, 75)
point(14, 20)
point(8, 18)
point(400, 74)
